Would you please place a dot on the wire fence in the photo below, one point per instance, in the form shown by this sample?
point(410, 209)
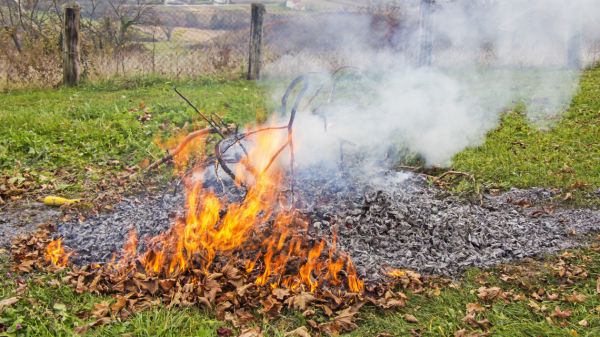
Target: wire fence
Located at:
point(129, 38)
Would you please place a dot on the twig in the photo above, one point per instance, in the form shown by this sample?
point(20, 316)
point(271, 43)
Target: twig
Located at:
point(219, 155)
point(210, 121)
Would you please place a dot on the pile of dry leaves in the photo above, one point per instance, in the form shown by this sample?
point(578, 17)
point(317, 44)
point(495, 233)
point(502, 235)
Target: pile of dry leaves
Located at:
point(226, 289)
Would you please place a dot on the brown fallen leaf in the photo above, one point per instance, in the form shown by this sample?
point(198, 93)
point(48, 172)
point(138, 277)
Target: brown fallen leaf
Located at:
point(300, 332)
point(470, 319)
point(475, 308)
point(308, 313)
point(489, 294)
point(410, 318)
point(280, 293)
point(560, 314)
point(83, 329)
point(119, 304)
point(5, 303)
point(101, 309)
point(343, 322)
point(252, 332)
point(584, 323)
point(575, 298)
point(598, 286)
point(300, 302)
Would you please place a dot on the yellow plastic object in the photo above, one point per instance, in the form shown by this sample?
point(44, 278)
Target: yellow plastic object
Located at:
point(52, 200)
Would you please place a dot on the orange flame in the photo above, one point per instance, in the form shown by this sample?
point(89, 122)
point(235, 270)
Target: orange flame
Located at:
point(56, 254)
point(212, 227)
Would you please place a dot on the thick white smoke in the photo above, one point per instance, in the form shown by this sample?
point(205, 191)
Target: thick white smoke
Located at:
point(488, 56)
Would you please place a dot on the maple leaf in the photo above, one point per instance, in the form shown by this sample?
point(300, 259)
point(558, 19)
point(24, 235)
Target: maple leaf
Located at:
point(560, 314)
point(280, 293)
point(101, 309)
point(300, 301)
point(475, 308)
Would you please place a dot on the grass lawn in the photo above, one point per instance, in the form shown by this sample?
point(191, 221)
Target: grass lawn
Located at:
point(74, 141)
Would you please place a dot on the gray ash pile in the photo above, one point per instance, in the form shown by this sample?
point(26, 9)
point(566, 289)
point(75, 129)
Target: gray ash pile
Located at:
point(401, 221)
point(384, 219)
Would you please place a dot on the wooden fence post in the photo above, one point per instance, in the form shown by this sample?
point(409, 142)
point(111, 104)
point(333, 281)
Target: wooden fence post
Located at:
point(71, 45)
point(256, 33)
point(426, 33)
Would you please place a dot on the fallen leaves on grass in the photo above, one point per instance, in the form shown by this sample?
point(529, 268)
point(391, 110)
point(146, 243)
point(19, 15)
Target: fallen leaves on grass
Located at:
point(536, 307)
point(300, 332)
point(475, 308)
point(5, 303)
point(84, 328)
point(252, 332)
point(101, 309)
point(410, 318)
point(558, 313)
point(490, 294)
point(343, 322)
point(470, 318)
point(575, 298)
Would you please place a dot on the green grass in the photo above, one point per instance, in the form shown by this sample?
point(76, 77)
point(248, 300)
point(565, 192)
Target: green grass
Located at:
point(70, 138)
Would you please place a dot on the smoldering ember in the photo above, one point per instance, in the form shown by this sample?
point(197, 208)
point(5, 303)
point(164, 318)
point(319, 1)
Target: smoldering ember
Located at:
point(433, 161)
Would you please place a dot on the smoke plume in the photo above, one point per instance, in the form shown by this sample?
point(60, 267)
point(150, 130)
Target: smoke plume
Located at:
point(486, 57)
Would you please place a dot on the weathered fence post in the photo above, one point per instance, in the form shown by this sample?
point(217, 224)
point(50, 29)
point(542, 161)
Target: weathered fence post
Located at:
point(256, 33)
point(426, 33)
point(71, 41)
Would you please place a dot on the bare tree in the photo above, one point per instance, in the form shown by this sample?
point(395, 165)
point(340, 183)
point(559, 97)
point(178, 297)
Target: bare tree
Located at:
point(129, 14)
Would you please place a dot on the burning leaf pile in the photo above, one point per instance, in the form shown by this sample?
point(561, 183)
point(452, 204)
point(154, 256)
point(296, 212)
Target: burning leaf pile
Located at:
point(233, 290)
point(229, 255)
